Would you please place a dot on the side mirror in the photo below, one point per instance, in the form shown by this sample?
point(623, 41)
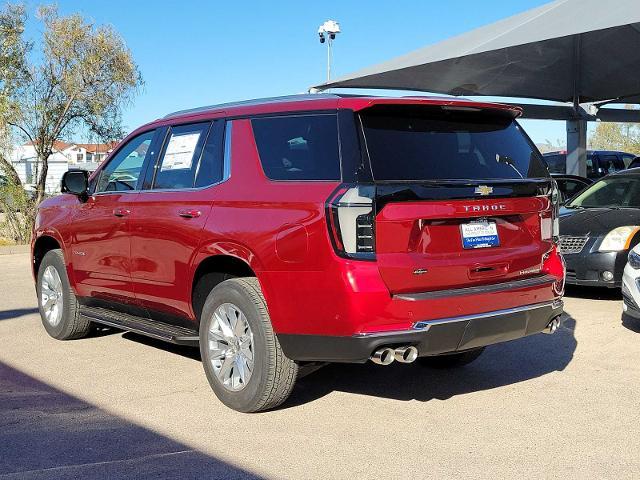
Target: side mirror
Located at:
point(76, 182)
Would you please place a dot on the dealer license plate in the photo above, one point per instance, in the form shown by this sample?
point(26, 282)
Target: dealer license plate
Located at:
point(480, 235)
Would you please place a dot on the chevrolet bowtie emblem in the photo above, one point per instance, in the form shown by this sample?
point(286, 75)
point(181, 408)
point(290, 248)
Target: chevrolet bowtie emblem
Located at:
point(483, 190)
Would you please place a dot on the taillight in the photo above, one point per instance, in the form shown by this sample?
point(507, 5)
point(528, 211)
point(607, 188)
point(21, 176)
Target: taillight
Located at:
point(555, 210)
point(351, 221)
point(549, 220)
point(553, 264)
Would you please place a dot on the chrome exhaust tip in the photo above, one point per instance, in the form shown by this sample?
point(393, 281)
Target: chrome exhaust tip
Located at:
point(406, 354)
point(383, 356)
point(553, 326)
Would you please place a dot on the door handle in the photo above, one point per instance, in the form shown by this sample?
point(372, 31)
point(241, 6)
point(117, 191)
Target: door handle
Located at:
point(121, 212)
point(189, 213)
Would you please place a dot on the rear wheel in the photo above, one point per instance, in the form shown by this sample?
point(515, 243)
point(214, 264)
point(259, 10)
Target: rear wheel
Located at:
point(57, 302)
point(242, 358)
point(451, 360)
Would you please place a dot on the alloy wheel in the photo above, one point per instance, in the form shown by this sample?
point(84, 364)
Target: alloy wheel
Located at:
point(51, 296)
point(230, 344)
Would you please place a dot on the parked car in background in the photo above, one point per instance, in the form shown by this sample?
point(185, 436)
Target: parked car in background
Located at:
point(281, 233)
point(631, 284)
point(570, 185)
point(599, 162)
point(635, 163)
point(598, 227)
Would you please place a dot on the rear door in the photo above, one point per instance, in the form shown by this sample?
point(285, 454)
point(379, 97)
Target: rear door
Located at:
point(170, 214)
point(459, 196)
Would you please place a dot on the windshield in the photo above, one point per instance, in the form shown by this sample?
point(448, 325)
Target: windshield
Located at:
point(610, 192)
point(434, 144)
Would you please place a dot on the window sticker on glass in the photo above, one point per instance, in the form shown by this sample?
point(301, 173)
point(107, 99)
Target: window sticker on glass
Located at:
point(179, 153)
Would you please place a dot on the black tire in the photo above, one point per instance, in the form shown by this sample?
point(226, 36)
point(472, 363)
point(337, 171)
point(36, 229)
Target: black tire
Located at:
point(273, 375)
point(451, 360)
point(71, 325)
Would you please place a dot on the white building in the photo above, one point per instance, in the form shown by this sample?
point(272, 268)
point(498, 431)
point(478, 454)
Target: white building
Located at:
point(65, 155)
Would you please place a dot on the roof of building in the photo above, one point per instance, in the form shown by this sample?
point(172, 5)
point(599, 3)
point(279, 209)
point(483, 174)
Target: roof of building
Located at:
point(97, 147)
point(94, 148)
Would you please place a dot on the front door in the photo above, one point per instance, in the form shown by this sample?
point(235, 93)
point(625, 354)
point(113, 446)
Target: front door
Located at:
point(171, 211)
point(100, 245)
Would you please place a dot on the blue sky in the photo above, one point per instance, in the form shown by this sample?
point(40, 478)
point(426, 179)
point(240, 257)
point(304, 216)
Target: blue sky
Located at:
point(194, 53)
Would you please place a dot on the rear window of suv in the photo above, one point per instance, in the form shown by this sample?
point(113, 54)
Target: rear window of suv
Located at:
point(298, 147)
point(434, 144)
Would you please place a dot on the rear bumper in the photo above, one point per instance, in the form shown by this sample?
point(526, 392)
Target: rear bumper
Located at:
point(429, 337)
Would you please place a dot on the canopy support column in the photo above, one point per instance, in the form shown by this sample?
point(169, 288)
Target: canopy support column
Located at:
point(577, 147)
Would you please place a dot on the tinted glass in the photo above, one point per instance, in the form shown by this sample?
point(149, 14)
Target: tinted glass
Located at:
point(569, 187)
point(210, 170)
point(608, 164)
point(300, 147)
point(627, 159)
point(180, 156)
point(590, 172)
point(437, 145)
point(610, 192)
point(556, 162)
point(122, 172)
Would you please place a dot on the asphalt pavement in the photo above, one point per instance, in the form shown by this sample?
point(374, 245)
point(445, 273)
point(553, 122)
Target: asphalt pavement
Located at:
point(118, 405)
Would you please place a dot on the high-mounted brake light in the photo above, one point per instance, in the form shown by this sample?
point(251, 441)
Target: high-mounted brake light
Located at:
point(351, 221)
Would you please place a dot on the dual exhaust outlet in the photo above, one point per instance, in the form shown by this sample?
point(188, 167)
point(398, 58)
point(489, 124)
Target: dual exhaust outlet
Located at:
point(409, 353)
point(553, 326)
point(387, 355)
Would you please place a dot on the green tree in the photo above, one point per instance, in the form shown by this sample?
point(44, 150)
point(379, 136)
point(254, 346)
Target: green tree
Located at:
point(84, 76)
point(616, 136)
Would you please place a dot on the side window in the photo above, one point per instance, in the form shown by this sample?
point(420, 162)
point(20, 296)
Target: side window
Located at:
point(122, 172)
point(180, 157)
point(211, 168)
point(556, 163)
point(298, 147)
point(609, 164)
point(627, 159)
point(589, 165)
point(618, 164)
point(572, 187)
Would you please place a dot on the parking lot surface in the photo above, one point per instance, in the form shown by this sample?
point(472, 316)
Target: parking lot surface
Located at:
point(119, 405)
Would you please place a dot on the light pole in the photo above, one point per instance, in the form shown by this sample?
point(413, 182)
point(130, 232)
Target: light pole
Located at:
point(327, 32)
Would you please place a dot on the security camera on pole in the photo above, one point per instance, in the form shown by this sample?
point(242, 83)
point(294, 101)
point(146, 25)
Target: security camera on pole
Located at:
point(327, 32)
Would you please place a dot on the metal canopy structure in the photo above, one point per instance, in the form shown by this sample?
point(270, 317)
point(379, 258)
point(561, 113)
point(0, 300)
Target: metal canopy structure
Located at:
point(577, 51)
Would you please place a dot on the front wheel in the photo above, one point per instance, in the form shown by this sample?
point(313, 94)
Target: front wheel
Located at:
point(57, 302)
point(242, 358)
point(451, 360)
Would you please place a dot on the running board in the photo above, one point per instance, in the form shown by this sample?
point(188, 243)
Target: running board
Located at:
point(143, 326)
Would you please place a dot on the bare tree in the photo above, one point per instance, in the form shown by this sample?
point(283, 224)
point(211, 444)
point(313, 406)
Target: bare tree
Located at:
point(84, 77)
point(13, 50)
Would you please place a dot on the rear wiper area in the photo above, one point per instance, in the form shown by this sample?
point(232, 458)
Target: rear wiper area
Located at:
point(508, 161)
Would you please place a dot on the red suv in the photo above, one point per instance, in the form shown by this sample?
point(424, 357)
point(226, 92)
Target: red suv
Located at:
point(284, 233)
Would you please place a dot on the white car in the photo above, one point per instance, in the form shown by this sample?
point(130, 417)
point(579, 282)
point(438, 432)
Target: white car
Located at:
point(630, 284)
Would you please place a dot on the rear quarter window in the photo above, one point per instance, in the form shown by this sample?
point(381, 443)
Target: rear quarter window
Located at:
point(298, 147)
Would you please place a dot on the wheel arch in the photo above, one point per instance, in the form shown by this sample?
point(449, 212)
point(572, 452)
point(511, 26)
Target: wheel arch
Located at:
point(43, 244)
point(212, 270)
